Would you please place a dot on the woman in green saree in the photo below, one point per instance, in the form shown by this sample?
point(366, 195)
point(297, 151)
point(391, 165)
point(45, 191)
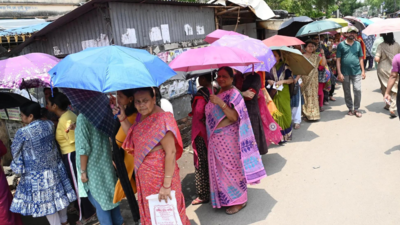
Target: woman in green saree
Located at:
point(281, 75)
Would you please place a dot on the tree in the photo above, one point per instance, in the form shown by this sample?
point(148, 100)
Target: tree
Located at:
point(347, 7)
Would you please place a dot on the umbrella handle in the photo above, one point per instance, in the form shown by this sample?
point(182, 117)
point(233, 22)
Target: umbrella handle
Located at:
point(212, 80)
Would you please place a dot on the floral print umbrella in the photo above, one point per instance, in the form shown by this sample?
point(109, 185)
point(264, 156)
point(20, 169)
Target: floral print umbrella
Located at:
point(26, 71)
point(253, 46)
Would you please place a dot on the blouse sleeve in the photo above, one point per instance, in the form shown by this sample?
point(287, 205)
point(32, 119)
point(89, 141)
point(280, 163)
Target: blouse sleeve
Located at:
point(82, 136)
point(17, 164)
point(288, 74)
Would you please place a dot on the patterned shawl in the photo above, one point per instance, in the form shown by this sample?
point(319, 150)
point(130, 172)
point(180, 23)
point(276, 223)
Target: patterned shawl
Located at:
point(142, 137)
point(251, 159)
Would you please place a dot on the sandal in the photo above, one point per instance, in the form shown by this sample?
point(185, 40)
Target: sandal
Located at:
point(332, 99)
point(93, 218)
point(326, 103)
point(357, 113)
point(198, 201)
point(237, 208)
point(386, 107)
point(392, 114)
point(321, 109)
point(350, 113)
point(296, 126)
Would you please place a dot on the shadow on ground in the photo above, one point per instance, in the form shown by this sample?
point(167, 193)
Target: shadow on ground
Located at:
point(377, 107)
point(395, 148)
point(303, 134)
point(259, 205)
point(273, 163)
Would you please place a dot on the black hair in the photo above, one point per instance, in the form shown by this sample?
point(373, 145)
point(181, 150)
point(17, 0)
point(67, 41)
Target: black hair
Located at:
point(279, 53)
point(61, 100)
point(209, 77)
point(33, 108)
point(45, 113)
point(309, 41)
point(130, 108)
point(228, 70)
point(55, 90)
point(388, 38)
point(150, 90)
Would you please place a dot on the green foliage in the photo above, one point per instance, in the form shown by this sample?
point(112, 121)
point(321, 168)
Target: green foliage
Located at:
point(389, 6)
point(316, 8)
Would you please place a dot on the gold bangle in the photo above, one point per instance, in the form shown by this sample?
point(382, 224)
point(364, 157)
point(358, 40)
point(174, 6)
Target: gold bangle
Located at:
point(224, 106)
point(167, 176)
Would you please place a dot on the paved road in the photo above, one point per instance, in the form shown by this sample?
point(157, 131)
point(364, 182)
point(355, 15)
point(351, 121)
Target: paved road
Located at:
point(341, 170)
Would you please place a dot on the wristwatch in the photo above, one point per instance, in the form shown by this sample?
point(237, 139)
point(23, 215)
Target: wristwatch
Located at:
point(83, 171)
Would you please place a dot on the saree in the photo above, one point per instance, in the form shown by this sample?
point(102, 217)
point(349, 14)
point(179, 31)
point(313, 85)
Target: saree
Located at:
point(272, 130)
point(119, 192)
point(310, 91)
point(233, 156)
point(386, 54)
point(6, 216)
point(199, 143)
point(142, 137)
point(282, 101)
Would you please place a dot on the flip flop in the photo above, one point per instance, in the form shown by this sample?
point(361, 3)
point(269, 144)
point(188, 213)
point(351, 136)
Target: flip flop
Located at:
point(350, 113)
point(242, 207)
point(198, 201)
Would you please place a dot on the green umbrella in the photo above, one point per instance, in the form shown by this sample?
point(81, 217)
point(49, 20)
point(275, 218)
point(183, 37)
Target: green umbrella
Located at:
point(299, 64)
point(317, 27)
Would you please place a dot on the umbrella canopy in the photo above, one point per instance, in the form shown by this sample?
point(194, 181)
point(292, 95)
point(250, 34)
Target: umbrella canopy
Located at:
point(109, 69)
point(211, 57)
point(317, 27)
point(291, 26)
point(376, 19)
point(280, 40)
point(356, 22)
point(26, 71)
point(253, 46)
point(192, 74)
point(384, 26)
point(340, 21)
point(11, 100)
point(345, 29)
point(299, 64)
point(217, 34)
point(94, 106)
point(366, 21)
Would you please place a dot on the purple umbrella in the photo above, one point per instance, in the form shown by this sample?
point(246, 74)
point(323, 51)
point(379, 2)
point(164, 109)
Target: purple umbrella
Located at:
point(253, 46)
point(26, 71)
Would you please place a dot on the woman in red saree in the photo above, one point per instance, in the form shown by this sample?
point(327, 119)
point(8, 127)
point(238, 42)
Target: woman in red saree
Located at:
point(155, 142)
point(6, 216)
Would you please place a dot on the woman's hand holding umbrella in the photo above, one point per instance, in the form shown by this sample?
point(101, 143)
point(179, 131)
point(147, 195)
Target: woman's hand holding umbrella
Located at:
point(217, 100)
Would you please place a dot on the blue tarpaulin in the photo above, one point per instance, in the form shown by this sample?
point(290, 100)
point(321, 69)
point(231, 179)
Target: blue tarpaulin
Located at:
point(24, 30)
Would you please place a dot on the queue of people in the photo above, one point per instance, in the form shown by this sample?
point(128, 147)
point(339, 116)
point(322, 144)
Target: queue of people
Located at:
point(63, 158)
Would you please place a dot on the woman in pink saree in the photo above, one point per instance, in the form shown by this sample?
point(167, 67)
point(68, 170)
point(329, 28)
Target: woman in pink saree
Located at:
point(156, 143)
point(233, 157)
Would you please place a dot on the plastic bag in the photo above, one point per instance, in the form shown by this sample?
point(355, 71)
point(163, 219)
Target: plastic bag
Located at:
point(163, 213)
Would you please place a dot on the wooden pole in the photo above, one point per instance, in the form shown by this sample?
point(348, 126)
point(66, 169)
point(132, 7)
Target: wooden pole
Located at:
point(216, 19)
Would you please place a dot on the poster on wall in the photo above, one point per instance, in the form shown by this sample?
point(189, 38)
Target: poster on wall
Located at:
point(3, 114)
point(12, 128)
point(14, 114)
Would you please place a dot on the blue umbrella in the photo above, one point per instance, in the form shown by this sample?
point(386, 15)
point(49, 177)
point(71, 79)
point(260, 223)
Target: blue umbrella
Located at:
point(366, 21)
point(110, 68)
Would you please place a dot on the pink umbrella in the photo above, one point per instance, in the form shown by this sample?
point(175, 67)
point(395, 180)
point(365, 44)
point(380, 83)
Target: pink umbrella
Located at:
point(26, 71)
point(212, 57)
point(280, 40)
point(384, 26)
point(217, 34)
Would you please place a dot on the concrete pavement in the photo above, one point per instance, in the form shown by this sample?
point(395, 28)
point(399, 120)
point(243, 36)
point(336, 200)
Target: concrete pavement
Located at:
point(340, 170)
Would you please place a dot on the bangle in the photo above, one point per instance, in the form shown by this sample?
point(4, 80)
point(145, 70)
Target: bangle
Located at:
point(224, 106)
point(167, 187)
point(83, 171)
point(123, 119)
point(167, 176)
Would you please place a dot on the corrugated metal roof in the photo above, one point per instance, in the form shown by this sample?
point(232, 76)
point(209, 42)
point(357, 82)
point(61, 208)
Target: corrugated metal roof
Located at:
point(144, 17)
point(24, 30)
point(88, 7)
